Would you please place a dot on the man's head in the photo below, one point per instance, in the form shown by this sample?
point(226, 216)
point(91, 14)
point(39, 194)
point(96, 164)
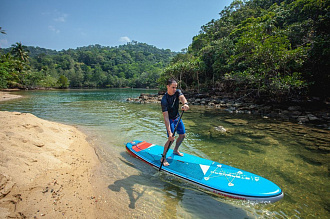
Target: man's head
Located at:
point(171, 86)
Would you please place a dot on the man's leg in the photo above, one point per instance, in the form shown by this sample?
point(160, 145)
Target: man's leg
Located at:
point(178, 143)
point(165, 163)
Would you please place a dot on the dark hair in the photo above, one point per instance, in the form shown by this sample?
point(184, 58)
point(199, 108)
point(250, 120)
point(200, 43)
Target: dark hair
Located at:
point(171, 81)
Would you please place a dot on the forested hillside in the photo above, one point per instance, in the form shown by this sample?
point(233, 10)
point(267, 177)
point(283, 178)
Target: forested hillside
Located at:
point(131, 65)
point(261, 48)
point(273, 49)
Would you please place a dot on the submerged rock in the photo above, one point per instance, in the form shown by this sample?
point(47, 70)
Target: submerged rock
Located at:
point(236, 121)
point(220, 129)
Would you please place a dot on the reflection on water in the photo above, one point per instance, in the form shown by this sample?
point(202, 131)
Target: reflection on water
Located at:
point(293, 156)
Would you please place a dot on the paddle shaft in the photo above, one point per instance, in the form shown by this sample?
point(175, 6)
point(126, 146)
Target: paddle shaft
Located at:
point(169, 145)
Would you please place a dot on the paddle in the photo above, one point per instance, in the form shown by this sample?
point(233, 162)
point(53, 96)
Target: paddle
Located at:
point(169, 145)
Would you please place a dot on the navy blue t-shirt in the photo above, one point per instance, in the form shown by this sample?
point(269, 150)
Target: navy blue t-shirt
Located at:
point(170, 103)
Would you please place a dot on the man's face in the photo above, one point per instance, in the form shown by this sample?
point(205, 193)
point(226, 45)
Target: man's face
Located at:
point(172, 88)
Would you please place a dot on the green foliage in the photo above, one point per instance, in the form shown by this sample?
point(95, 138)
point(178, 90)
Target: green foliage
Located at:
point(47, 82)
point(6, 70)
point(264, 55)
point(20, 52)
point(13, 69)
point(2, 31)
point(131, 65)
point(273, 47)
point(63, 82)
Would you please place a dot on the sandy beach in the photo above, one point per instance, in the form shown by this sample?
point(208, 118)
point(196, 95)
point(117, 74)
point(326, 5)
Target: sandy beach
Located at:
point(46, 169)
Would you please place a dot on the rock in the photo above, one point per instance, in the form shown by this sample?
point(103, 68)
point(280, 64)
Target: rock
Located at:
point(237, 121)
point(324, 149)
point(311, 117)
point(320, 117)
point(230, 104)
point(220, 129)
point(302, 119)
point(253, 107)
point(296, 113)
point(267, 108)
point(294, 108)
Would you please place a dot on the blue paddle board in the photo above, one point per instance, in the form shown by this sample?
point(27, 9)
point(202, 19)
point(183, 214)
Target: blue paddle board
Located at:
point(218, 178)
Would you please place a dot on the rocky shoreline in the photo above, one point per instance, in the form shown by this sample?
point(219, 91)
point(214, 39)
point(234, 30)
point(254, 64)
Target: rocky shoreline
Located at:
point(312, 112)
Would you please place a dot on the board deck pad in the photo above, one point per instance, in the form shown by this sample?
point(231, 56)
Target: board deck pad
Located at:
point(141, 146)
point(213, 176)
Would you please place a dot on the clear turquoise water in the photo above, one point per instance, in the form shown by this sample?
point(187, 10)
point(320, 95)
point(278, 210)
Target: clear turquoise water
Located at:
point(282, 152)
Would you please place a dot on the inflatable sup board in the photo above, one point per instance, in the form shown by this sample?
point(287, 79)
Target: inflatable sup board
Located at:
point(218, 178)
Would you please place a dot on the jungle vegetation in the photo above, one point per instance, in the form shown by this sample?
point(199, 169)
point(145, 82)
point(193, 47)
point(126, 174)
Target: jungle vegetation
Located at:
point(262, 48)
point(275, 48)
point(131, 65)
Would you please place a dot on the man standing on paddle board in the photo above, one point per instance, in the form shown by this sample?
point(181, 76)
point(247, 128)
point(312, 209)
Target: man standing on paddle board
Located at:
point(170, 109)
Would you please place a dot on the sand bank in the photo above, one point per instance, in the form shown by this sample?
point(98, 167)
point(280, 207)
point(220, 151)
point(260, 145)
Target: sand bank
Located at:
point(7, 96)
point(45, 169)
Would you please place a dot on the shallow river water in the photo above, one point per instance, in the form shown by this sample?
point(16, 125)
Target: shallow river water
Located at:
point(283, 152)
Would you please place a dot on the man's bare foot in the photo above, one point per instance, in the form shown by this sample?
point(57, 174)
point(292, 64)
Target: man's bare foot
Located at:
point(178, 153)
point(165, 163)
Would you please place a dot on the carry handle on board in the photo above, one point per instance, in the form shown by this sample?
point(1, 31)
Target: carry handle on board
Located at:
point(169, 145)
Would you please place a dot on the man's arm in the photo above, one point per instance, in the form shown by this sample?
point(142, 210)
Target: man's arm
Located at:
point(184, 101)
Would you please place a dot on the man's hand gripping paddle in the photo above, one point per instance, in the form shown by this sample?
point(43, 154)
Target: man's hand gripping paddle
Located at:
point(169, 145)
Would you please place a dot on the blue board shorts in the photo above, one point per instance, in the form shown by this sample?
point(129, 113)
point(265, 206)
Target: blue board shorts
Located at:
point(181, 129)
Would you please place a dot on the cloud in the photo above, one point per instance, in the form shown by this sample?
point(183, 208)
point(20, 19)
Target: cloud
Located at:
point(61, 18)
point(56, 16)
point(52, 28)
point(124, 39)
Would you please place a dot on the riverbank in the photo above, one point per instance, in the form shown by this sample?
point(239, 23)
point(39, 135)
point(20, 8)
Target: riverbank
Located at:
point(46, 169)
point(312, 112)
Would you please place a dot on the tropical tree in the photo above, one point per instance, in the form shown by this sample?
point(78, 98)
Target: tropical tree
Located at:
point(2, 31)
point(21, 52)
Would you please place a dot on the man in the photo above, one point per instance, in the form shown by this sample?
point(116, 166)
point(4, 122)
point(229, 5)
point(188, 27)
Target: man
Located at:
point(170, 109)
